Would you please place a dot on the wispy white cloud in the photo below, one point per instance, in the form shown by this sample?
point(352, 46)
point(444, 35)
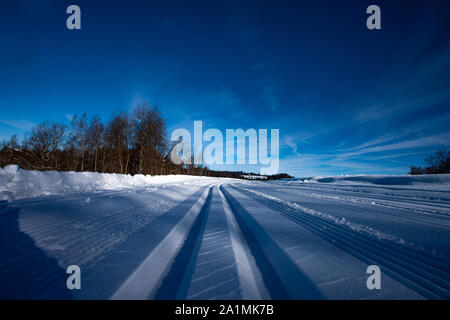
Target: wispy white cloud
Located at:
point(223, 98)
point(271, 97)
point(19, 124)
point(433, 140)
point(258, 66)
point(409, 86)
point(396, 155)
point(374, 156)
point(388, 108)
point(376, 141)
point(346, 166)
point(307, 165)
point(290, 142)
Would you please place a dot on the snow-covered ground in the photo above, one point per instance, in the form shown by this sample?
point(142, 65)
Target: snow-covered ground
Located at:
point(183, 237)
point(16, 183)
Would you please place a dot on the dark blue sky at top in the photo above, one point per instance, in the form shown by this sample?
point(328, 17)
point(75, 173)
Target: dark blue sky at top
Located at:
point(347, 100)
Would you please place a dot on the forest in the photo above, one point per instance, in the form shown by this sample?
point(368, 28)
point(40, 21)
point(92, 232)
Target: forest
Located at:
point(437, 163)
point(133, 142)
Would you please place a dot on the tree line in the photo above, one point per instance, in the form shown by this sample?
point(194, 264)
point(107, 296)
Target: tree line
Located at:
point(130, 143)
point(437, 163)
point(133, 142)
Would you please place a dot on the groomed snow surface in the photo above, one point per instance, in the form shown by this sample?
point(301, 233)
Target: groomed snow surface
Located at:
point(184, 237)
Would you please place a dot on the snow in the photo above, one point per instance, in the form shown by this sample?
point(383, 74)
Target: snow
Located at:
point(139, 285)
point(16, 183)
point(343, 221)
point(185, 237)
point(435, 180)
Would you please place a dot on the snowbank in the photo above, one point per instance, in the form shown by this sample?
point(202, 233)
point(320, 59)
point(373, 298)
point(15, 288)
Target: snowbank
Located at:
point(16, 183)
point(411, 180)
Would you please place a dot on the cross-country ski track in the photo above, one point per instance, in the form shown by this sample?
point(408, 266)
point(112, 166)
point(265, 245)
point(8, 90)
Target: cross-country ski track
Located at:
point(228, 239)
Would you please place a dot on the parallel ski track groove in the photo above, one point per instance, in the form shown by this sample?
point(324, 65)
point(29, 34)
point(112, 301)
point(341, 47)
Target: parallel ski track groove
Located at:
point(172, 282)
point(414, 270)
point(279, 287)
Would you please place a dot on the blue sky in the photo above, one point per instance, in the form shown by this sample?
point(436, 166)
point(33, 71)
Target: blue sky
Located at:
point(347, 100)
